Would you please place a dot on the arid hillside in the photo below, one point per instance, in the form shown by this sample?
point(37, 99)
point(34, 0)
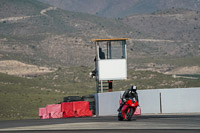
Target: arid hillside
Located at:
point(46, 35)
point(36, 33)
point(172, 33)
point(122, 8)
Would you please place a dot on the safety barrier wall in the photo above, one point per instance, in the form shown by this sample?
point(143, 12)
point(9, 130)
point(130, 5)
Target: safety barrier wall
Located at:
point(177, 100)
point(65, 109)
point(149, 101)
point(183, 100)
point(108, 103)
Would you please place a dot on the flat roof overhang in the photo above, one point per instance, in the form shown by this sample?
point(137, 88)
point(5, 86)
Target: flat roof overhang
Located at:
point(114, 39)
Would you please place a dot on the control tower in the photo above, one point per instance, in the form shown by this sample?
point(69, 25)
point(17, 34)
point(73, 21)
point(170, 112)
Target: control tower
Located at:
point(110, 61)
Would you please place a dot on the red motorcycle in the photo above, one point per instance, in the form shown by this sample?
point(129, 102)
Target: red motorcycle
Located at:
point(128, 110)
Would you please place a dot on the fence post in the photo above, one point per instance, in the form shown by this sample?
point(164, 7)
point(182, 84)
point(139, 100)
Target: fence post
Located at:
point(160, 103)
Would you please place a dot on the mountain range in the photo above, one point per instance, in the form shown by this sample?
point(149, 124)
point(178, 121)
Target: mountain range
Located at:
point(37, 33)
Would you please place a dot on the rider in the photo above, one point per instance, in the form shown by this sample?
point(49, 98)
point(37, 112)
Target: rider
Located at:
point(130, 93)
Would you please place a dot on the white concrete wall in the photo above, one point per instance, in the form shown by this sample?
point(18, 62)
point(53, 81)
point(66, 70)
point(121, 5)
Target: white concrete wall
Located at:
point(149, 101)
point(181, 100)
point(108, 103)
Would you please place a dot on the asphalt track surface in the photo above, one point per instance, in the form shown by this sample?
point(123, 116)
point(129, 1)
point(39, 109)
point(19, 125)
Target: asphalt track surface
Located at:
point(110, 124)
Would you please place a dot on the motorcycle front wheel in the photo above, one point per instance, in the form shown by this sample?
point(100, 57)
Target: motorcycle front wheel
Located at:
point(129, 113)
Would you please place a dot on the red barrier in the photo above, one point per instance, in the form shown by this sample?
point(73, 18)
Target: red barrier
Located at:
point(43, 113)
point(54, 111)
point(81, 109)
point(76, 109)
point(67, 109)
point(137, 111)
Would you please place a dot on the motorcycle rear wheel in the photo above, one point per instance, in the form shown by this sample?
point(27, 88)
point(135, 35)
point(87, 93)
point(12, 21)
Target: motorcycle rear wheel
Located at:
point(120, 117)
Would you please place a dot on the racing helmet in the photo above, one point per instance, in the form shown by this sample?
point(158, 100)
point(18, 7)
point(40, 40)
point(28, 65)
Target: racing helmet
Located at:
point(133, 88)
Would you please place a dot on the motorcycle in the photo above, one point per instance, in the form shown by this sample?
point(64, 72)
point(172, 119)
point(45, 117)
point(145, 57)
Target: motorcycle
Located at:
point(128, 110)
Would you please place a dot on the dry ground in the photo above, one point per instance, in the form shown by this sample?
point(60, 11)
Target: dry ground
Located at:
point(13, 67)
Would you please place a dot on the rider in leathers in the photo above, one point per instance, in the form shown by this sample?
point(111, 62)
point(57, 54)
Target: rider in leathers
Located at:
point(129, 94)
